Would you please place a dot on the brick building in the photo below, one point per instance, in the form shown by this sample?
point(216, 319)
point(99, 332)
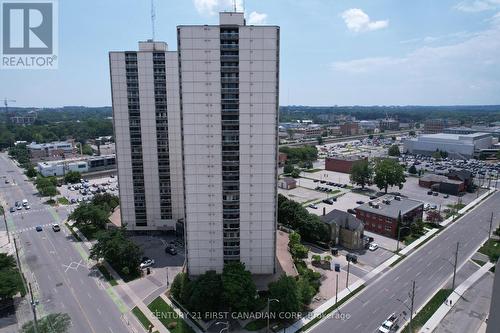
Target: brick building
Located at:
point(349, 128)
point(381, 215)
point(342, 163)
point(442, 184)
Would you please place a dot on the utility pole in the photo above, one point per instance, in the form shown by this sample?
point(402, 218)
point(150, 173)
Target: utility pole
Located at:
point(33, 307)
point(347, 280)
point(491, 225)
point(455, 268)
point(411, 304)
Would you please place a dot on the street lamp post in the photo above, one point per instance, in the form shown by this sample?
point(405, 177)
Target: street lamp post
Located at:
point(269, 300)
point(223, 323)
point(411, 295)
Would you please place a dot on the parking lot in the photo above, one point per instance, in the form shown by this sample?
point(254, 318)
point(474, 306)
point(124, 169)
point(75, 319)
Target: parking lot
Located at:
point(166, 266)
point(87, 188)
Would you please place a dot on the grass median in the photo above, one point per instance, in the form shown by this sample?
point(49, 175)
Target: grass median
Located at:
point(428, 310)
point(168, 317)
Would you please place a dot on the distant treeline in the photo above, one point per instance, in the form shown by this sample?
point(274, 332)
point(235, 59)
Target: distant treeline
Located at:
point(79, 123)
point(465, 114)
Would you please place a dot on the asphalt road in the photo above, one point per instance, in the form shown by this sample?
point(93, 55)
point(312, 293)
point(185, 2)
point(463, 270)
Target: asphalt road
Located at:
point(430, 266)
point(62, 281)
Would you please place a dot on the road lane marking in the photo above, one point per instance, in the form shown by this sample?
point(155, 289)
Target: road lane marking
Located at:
point(397, 278)
point(99, 311)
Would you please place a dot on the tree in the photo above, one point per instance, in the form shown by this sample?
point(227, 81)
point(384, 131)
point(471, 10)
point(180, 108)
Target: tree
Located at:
point(286, 291)
point(10, 279)
point(313, 229)
point(361, 173)
point(320, 140)
point(288, 168)
point(239, 290)
point(413, 170)
point(306, 291)
point(206, 295)
point(89, 213)
point(106, 201)
point(295, 173)
point(51, 323)
point(394, 150)
point(87, 150)
point(179, 286)
point(389, 172)
point(118, 250)
point(417, 228)
point(412, 133)
point(297, 250)
point(498, 155)
point(73, 177)
point(46, 186)
point(31, 172)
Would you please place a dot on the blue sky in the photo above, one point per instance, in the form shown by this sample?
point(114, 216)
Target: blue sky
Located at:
point(333, 52)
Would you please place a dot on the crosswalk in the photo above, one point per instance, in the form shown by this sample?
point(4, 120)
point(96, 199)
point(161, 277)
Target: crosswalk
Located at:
point(18, 231)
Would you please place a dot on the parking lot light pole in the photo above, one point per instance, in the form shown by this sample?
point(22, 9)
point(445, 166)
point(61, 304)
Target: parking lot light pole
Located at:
point(269, 300)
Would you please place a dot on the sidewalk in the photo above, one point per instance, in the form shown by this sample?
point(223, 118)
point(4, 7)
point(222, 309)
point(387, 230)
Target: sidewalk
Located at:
point(443, 310)
point(158, 326)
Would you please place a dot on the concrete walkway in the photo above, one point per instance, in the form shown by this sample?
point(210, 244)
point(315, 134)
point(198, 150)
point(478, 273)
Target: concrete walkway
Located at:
point(443, 310)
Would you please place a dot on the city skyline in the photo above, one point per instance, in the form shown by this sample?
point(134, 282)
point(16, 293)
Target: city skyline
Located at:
point(356, 53)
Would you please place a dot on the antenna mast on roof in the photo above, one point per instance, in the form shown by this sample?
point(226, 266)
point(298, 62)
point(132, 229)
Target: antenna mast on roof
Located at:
point(153, 18)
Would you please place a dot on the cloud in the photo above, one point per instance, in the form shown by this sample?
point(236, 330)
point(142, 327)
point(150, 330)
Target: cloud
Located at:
point(473, 6)
point(257, 18)
point(358, 21)
point(436, 74)
point(212, 7)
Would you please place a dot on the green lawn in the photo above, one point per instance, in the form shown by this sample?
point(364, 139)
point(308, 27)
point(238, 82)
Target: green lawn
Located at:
point(63, 201)
point(169, 318)
point(107, 276)
point(428, 310)
point(491, 248)
point(313, 170)
point(256, 325)
point(479, 262)
point(142, 317)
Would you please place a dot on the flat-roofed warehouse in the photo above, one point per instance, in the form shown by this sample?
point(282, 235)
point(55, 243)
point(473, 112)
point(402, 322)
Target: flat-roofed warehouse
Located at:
point(462, 146)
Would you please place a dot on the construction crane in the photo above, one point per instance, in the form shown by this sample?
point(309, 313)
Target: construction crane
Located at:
point(6, 104)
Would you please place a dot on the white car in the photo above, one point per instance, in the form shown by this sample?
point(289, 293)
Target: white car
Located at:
point(373, 246)
point(147, 263)
point(27, 207)
point(388, 325)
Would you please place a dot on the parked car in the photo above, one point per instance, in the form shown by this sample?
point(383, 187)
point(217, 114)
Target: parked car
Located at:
point(56, 227)
point(388, 324)
point(446, 196)
point(435, 194)
point(360, 202)
point(27, 207)
point(328, 201)
point(171, 250)
point(373, 246)
point(12, 209)
point(351, 211)
point(429, 192)
point(147, 263)
point(38, 228)
point(313, 206)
